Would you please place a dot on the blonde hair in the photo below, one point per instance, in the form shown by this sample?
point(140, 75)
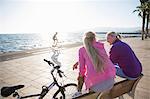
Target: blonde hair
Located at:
point(118, 36)
point(96, 58)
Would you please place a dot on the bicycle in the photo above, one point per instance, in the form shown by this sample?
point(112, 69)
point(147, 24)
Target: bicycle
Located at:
point(64, 92)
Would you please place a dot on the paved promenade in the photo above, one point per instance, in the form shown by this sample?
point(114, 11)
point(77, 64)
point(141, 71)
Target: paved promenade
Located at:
point(33, 72)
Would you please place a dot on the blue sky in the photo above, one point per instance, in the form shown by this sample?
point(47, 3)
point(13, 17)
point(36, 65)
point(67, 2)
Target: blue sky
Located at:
point(43, 16)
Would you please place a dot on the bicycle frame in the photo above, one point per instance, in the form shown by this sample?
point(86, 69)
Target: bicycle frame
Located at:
point(45, 89)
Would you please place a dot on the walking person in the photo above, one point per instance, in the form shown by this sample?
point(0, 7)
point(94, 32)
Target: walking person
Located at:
point(55, 39)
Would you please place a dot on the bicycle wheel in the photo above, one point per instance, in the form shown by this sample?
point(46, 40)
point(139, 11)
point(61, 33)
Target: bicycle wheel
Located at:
point(69, 90)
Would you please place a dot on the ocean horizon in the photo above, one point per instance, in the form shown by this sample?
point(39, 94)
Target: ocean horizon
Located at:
point(26, 41)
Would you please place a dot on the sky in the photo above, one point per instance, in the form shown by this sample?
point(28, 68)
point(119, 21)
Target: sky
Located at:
point(43, 16)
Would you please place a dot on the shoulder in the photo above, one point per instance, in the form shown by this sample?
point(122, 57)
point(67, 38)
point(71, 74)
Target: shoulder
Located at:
point(99, 44)
point(81, 49)
point(116, 46)
point(120, 46)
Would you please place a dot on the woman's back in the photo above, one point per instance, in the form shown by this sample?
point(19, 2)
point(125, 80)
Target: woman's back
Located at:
point(87, 68)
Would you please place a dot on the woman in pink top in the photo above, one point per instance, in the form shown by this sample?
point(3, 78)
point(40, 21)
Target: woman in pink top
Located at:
point(95, 67)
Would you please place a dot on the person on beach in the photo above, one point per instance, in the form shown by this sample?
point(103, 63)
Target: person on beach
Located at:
point(126, 63)
point(95, 67)
point(55, 39)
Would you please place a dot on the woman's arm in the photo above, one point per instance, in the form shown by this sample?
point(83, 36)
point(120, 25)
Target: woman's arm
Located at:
point(81, 64)
point(82, 68)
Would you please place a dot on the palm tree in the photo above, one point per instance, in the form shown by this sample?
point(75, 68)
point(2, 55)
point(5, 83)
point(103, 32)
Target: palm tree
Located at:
point(143, 1)
point(144, 11)
point(147, 5)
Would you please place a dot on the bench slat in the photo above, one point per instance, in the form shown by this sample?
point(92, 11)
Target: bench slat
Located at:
point(119, 88)
point(124, 86)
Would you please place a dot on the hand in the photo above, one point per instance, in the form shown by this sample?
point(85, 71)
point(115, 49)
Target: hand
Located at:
point(75, 66)
point(80, 77)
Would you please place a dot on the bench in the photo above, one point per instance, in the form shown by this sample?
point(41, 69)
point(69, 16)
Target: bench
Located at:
point(119, 88)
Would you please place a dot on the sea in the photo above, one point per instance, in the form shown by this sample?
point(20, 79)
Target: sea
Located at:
point(26, 41)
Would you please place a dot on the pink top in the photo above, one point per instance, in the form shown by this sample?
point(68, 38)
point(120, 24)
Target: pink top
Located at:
point(86, 67)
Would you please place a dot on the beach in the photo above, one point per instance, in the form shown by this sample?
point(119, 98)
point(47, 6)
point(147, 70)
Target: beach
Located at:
point(28, 68)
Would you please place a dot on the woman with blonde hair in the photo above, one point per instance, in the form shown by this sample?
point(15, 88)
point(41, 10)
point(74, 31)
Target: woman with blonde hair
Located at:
point(95, 68)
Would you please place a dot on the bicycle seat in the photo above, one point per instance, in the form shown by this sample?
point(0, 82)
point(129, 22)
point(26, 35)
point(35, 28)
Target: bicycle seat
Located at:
point(7, 91)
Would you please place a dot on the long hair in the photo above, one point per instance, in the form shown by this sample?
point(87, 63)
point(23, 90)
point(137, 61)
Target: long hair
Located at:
point(96, 58)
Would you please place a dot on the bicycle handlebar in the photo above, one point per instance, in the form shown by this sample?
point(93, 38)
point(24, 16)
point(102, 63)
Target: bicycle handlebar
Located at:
point(49, 62)
point(55, 67)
